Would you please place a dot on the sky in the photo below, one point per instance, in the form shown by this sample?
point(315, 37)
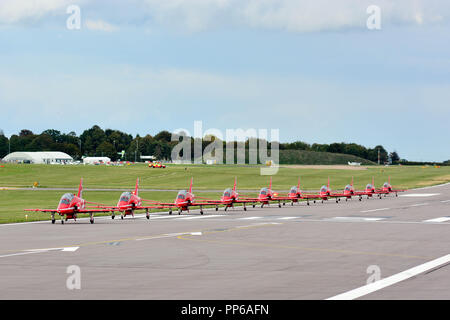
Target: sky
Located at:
point(312, 69)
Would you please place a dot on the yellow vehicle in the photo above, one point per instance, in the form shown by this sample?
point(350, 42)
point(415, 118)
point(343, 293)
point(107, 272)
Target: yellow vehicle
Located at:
point(156, 164)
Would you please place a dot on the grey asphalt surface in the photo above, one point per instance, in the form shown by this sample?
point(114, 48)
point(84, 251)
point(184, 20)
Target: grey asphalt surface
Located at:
point(293, 252)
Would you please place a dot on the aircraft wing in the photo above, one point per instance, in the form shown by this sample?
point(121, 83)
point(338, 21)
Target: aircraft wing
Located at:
point(311, 196)
point(284, 198)
point(92, 210)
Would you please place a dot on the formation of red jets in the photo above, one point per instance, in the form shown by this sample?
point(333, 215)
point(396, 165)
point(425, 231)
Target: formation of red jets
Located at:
point(71, 205)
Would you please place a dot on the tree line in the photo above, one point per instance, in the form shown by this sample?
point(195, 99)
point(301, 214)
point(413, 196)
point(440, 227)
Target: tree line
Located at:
point(111, 143)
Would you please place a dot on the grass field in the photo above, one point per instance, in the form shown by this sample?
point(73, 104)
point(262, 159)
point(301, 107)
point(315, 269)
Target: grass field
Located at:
point(12, 202)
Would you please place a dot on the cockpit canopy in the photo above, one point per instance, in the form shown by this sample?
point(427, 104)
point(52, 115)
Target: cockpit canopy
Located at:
point(324, 189)
point(348, 187)
point(369, 186)
point(293, 190)
point(125, 197)
point(264, 191)
point(227, 193)
point(182, 194)
point(66, 198)
point(386, 185)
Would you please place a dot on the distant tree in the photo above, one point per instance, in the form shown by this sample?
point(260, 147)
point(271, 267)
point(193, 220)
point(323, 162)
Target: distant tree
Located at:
point(42, 142)
point(106, 149)
point(25, 132)
point(394, 157)
point(91, 140)
point(3, 145)
point(55, 134)
point(163, 136)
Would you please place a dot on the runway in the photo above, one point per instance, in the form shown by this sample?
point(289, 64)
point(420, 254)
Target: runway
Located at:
point(295, 252)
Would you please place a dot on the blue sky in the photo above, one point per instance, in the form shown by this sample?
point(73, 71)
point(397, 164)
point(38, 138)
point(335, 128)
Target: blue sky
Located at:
point(313, 71)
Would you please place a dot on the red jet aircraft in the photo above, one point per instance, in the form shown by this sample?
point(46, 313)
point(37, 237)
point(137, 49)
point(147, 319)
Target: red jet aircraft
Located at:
point(183, 201)
point(387, 188)
point(70, 206)
point(229, 198)
point(130, 202)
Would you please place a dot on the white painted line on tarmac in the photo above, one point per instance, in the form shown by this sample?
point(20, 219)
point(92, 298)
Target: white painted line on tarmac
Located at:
point(444, 201)
point(288, 218)
point(383, 283)
point(69, 249)
point(357, 218)
point(418, 204)
point(166, 217)
point(441, 219)
point(200, 217)
point(250, 218)
point(419, 195)
point(373, 210)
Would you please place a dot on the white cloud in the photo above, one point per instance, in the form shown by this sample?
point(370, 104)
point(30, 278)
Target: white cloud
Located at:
point(100, 25)
point(16, 11)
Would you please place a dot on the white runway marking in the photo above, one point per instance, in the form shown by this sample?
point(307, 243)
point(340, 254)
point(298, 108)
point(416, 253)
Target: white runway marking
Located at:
point(444, 201)
point(250, 218)
point(69, 249)
point(288, 218)
point(418, 204)
point(441, 219)
point(381, 209)
point(166, 217)
point(357, 218)
point(383, 283)
point(199, 217)
point(419, 195)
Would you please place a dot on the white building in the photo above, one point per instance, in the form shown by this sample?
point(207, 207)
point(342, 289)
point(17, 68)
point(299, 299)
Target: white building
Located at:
point(46, 157)
point(96, 160)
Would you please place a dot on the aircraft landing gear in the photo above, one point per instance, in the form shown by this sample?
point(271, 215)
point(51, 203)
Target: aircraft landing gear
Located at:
point(179, 211)
point(226, 207)
point(170, 211)
point(217, 208)
point(201, 210)
point(53, 218)
point(147, 214)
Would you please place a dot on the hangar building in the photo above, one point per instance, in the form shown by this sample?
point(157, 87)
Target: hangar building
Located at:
point(46, 157)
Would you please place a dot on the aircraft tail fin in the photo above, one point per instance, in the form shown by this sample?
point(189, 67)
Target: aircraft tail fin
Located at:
point(270, 184)
point(190, 186)
point(298, 185)
point(352, 182)
point(373, 181)
point(80, 189)
point(136, 189)
point(235, 181)
point(328, 183)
